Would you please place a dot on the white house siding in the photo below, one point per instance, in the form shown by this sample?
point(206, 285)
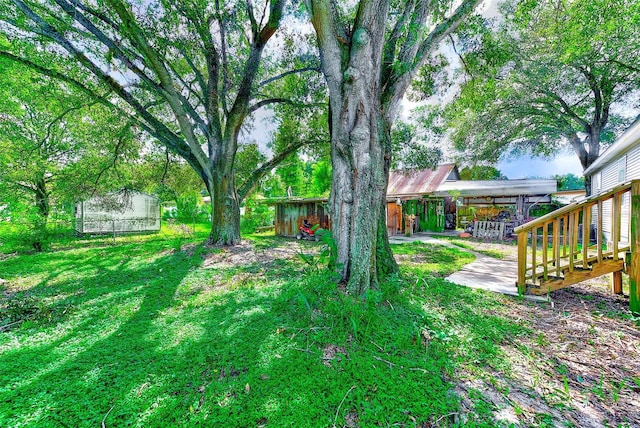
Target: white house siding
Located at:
point(611, 176)
point(623, 167)
point(608, 179)
point(633, 163)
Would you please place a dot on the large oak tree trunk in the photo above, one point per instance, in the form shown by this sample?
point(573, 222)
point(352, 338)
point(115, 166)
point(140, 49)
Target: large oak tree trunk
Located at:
point(225, 208)
point(360, 157)
point(365, 92)
point(587, 157)
point(358, 192)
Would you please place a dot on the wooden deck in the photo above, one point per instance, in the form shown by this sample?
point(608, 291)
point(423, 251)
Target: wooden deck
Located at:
point(567, 246)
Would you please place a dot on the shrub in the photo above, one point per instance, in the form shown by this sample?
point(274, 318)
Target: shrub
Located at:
point(255, 215)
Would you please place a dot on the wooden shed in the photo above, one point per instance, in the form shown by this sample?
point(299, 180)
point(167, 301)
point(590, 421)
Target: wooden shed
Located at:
point(119, 212)
point(290, 214)
point(411, 203)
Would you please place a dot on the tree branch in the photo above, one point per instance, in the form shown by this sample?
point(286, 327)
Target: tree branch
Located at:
point(102, 17)
point(263, 103)
point(397, 85)
point(225, 60)
point(196, 72)
point(152, 125)
point(176, 102)
point(252, 18)
point(56, 75)
point(287, 73)
point(625, 65)
point(567, 108)
point(114, 47)
point(389, 52)
point(59, 118)
point(240, 107)
point(460, 56)
point(28, 186)
point(260, 172)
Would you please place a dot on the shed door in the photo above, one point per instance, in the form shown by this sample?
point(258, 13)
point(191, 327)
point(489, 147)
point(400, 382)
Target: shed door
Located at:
point(435, 215)
point(394, 218)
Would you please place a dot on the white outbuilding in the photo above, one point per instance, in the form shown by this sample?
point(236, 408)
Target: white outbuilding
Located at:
point(125, 211)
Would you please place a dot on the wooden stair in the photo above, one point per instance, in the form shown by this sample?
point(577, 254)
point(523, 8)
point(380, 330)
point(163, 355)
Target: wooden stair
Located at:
point(551, 254)
point(566, 278)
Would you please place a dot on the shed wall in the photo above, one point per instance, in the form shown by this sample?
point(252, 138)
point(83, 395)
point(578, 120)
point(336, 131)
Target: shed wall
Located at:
point(289, 216)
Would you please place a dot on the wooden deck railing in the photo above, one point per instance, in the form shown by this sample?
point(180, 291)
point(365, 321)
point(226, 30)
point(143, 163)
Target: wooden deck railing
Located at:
point(558, 249)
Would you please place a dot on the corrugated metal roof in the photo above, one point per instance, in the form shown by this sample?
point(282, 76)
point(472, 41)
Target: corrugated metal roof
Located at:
point(499, 187)
point(418, 182)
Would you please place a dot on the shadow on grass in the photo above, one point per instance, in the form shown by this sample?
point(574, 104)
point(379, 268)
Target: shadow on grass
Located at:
point(153, 339)
point(68, 372)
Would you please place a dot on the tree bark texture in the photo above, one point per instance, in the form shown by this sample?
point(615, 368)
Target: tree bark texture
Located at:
point(42, 199)
point(367, 77)
point(587, 156)
point(225, 208)
point(352, 70)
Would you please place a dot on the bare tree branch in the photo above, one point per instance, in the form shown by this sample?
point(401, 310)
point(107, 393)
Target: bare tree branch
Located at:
point(288, 73)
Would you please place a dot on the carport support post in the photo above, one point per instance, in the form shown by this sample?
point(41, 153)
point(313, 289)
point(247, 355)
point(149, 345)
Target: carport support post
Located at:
point(634, 271)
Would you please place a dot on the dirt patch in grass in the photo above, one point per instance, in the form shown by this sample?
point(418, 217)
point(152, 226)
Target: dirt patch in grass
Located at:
point(579, 367)
point(247, 253)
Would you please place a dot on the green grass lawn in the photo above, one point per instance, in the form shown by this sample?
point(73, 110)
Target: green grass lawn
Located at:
point(149, 332)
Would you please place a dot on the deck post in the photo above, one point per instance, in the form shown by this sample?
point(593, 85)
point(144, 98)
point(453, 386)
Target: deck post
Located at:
point(616, 282)
point(634, 268)
point(522, 262)
point(599, 230)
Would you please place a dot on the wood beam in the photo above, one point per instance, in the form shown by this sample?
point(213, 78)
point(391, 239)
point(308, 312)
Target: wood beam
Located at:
point(607, 266)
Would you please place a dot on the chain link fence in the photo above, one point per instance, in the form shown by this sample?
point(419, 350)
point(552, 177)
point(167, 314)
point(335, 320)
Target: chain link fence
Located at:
point(24, 235)
point(117, 225)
